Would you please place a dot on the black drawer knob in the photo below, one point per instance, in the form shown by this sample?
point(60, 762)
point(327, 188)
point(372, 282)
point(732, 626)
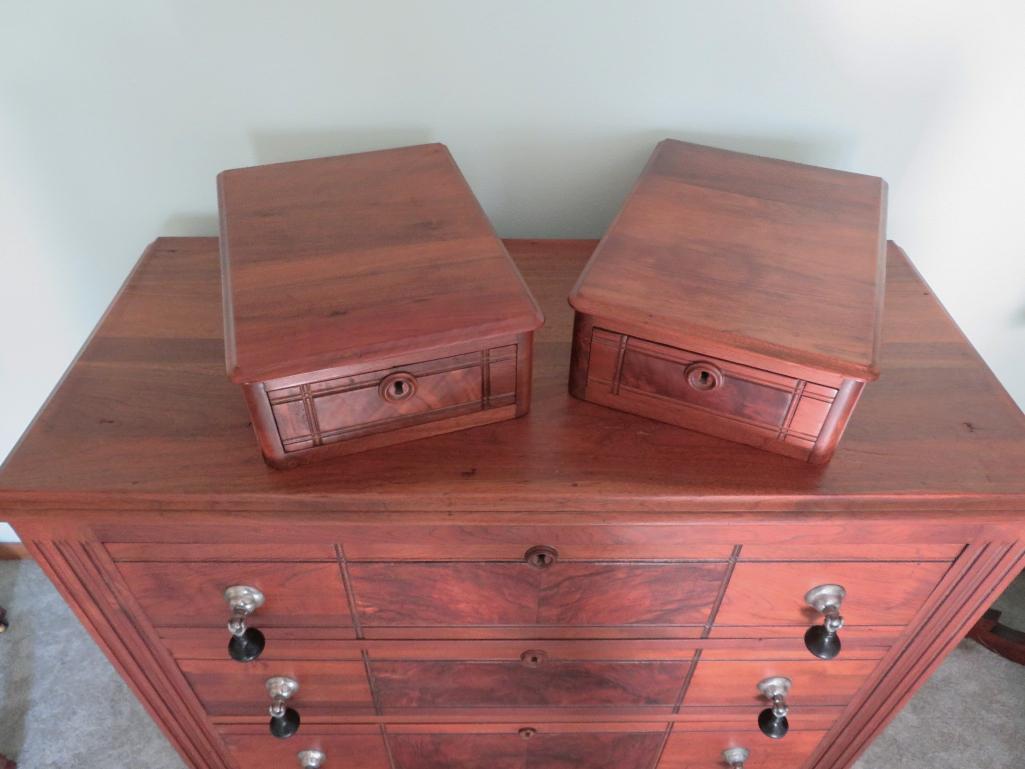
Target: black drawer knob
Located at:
point(773, 720)
point(822, 640)
point(541, 556)
point(284, 721)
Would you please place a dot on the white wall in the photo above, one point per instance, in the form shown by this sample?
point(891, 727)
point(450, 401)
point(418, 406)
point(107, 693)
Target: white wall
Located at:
point(115, 117)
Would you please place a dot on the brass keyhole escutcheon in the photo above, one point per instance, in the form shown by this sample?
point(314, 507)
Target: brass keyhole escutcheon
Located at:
point(398, 387)
point(704, 376)
point(527, 732)
point(541, 556)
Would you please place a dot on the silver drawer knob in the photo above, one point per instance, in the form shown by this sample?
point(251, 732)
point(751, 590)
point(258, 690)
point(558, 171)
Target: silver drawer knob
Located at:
point(822, 640)
point(773, 720)
point(246, 643)
point(311, 759)
point(735, 757)
point(284, 721)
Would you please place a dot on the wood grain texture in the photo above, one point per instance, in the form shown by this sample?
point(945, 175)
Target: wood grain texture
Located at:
point(143, 456)
point(703, 750)
point(192, 593)
point(438, 684)
point(784, 259)
point(349, 746)
point(815, 682)
point(565, 594)
point(226, 687)
point(772, 594)
point(384, 252)
point(937, 432)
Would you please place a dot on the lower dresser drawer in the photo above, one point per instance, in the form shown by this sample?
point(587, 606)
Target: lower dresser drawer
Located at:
point(352, 746)
point(515, 746)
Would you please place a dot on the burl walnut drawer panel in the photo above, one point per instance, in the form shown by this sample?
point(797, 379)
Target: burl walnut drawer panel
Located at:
point(356, 746)
point(501, 746)
point(703, 750)
point(441, 684)
point(328, 409)
point(680, 386)
point(766, 594)
point(192, 592)
point(814, 682)
point(566, 594)
point(229, 688)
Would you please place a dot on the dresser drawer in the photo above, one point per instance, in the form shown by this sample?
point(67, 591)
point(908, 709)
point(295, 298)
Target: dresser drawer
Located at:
point(566, 595)
point(766, 594)
point(712, 394)
point(503, 746)
point(357, 746)
point(704, 749)
point(229, 688)
point(191, 593)
point(815, 682)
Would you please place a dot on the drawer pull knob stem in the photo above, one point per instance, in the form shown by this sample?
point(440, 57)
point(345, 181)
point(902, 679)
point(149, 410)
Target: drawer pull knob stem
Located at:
point(541, 556)
point(822, 640)
point(735, 757)
point(284, 721)
point(773, 720)
point(246, 643)
point(311, 759)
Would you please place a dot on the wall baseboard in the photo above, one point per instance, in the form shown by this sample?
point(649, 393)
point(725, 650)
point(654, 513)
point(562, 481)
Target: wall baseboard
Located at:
point(13, 551)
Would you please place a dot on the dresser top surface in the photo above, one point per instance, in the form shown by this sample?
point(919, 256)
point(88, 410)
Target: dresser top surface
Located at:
point(359, 256)
point(146, 418)
point(776, 257)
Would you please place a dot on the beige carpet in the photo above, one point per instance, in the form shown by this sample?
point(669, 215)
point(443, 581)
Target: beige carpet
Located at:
point(62, 706)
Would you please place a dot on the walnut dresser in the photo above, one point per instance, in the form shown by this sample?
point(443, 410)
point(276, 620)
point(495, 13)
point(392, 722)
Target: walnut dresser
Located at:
point(579, 589)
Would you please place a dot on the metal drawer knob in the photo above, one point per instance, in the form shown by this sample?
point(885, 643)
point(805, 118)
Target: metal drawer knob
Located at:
point(822, 640)
point(735, 757)
point(284, 721)
point(311, 759)
point(773, 720)
point(246, 643)
point(541, 556)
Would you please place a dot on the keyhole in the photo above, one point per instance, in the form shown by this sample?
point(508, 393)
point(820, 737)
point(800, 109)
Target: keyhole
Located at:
point(541, 556)
point(704, 378)
point(399, 387)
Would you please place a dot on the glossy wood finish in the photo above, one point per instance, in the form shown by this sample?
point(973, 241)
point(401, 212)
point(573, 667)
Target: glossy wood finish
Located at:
point(565, 594)
point(344, 746)
point(770, 594)
point(103, 442)
point(387, 253)
point(546, 748)
point(931, 472)
point(412, 320)
point(438, 684)
point(736, 295)
point(783, 259)
point(703, 750)
point(815, 682)
point(226, 687)
point(192, 593)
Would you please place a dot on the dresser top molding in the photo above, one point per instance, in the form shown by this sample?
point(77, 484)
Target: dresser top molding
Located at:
point(145, 419)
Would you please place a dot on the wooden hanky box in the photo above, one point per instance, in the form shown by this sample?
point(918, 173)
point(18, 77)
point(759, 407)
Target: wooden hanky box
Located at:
point(368, 301)
point(736, 295)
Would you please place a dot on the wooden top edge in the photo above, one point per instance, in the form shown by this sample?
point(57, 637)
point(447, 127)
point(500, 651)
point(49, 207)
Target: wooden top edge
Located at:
point(865, 367)
point(243, 369)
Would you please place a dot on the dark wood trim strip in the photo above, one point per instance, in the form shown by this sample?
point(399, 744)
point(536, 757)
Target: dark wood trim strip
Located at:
point(350, 596)
point(731, 564)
